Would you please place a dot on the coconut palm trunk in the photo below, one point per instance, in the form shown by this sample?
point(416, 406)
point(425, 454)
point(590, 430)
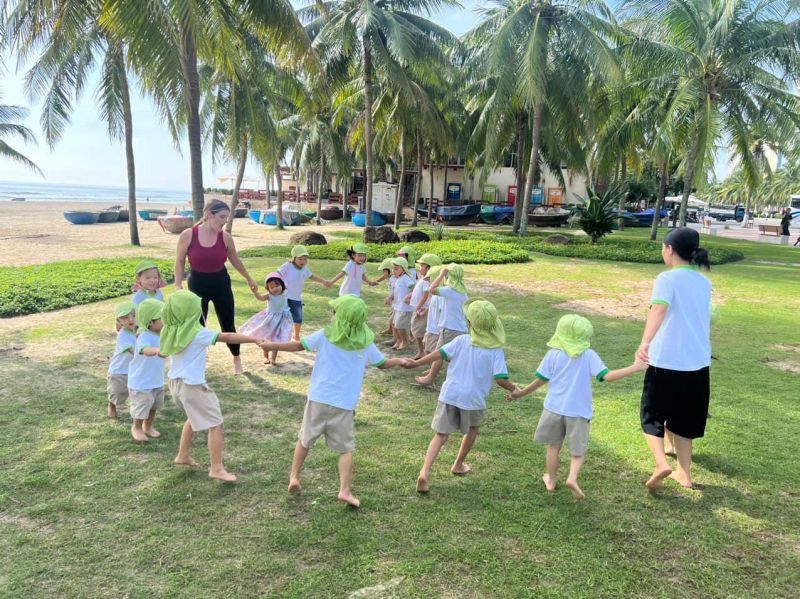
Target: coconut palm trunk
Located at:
point(418, 182)
point(662, 192)
point(321, 185)
point(430, 199)
point(189, 67)
point(687, 181)
point(279, 189)
point(623, 181)
point(398, 208)
point(129, 162)
point(444, 188)
point(368, 127)
point(238, 183)
point(521, 133)
point(533, 166)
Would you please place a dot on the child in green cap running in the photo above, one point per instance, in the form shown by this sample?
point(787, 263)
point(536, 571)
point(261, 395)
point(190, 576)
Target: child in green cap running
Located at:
point(354, 272)
point(344, 349)
point(117, 384)
point(568, 369)
point(148, 282)
point(294, 273)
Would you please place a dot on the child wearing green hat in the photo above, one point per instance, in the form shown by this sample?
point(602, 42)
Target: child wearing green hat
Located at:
point(568, 369)
point(386, 275)
point(148, 282)
point(186, 341)
point(117, 383)
point(354, 272)
point(402, 311)
point(408, 253)
point(295, 272)
point(475, 360)
point(451, 321)
point(419, 299)
point(344, 349)
point(146, 373)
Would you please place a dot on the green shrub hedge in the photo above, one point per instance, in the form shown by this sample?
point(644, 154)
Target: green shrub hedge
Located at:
point(40, 288)
point(457, 250)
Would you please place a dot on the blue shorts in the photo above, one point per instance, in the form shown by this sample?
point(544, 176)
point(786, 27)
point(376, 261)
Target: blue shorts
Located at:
point(296, 308)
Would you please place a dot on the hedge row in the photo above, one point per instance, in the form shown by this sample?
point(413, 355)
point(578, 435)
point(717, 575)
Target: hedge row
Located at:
point(457, 250)
point(40, 288)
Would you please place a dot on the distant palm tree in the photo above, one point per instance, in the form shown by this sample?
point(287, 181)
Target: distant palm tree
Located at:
point(8, 128)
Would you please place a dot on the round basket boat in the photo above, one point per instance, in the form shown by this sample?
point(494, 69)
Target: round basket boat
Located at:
point(108, 216)
point(175, 223)
point(80, 217)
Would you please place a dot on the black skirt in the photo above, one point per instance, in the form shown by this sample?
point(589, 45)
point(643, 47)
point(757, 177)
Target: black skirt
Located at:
point(677, 400)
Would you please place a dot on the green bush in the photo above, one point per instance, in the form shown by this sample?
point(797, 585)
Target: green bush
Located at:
point(40, 288)
point(456, 250)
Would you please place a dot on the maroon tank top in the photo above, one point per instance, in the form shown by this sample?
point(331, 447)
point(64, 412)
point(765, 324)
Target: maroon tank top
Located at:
point(207, 259)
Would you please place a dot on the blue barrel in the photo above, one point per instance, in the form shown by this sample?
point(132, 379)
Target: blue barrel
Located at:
point(454, 192)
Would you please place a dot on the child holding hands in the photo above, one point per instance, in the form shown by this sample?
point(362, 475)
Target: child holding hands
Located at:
point(274, 323)
point(148, 282)
point(294, 274)
point(354, 272)
point(146, 374)
point(344, 349)
point(568, 369)
point(118, 366)
point(419, 299)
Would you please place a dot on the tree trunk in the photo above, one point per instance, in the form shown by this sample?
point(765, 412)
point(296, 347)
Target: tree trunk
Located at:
point(189, 68)
point(623, 181)
point(430, 199)
point(522, 121)
point(279, 188)
point(321, 183)
point(238, 184)
point(662, 192)
point(368, 127)
point(747, 206)
point(131, 167)
point(444, 189)
point(398, 208)
point(687, 181)
point(533, 167)
point(418, 182)
point(268, 185)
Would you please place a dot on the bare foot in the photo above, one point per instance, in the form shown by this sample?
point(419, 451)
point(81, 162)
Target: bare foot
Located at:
point(187, 461)
point(418, 356)
point(549, 484)
point(294, 485)
point(112, 411)
point(349, 499)
point(138, 435)
point(681, 479)
point(576, 490)
point(463, 470)
point(422, 485)
point(424, 380)
point(653, 483)
point(267, 361)
point(401, 346)
point(152, 433)
point(394, 347)
point(222, 475)
point(237, 366)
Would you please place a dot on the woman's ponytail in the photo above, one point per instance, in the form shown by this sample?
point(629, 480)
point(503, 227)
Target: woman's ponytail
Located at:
point(700, 258)
point(686, 243)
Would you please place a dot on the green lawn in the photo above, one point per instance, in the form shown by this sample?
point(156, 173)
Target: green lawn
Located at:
point(86, 512)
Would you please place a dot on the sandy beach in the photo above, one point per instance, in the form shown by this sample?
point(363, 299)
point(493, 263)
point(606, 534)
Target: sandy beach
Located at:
point(37, 233)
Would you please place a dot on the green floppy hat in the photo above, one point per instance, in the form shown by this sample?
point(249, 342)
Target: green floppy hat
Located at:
point(572, 335)
point(360, 248)
point(430, 260)
point(485, 327)
point(408, 251)
point(145, 265)
point(299, 250)
point(402, 263)
point(386, 265)
point(181, 318)
point(148, 311)
point(349, 330)
point(455, 278)
point(125, 308)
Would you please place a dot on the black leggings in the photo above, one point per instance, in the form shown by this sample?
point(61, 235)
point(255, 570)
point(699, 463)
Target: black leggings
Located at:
point(216, 287)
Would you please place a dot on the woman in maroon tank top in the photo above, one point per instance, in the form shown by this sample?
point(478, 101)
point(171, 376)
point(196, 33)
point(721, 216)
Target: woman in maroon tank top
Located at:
point(208, 247)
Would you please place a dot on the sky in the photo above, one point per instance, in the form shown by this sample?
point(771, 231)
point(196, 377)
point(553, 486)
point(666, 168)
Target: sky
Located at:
point(85, 155)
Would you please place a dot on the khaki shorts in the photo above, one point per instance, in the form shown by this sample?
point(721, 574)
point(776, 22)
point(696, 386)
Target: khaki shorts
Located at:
point(554, 428)
point(418, 325)
point(144, 401)
point(450, 419)
point(431, 342)
point(402, 320)
point(446, 336)
point(199, 402)
point(335, 423)
point(117, 388)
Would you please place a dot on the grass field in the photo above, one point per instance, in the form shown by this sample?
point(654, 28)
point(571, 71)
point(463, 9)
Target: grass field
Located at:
point(86, 512)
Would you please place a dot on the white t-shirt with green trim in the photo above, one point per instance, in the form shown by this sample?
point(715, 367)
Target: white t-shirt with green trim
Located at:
point(569, 381)
point(684, 340)
point(402, 286)
point(470, 374)
point(434, 326)
point(294, 278)
point(353, 278)
point(123, 352)
point(190, 364)
point(338, 373)
point(146, 372)
point(420, 287)
point(452, 309)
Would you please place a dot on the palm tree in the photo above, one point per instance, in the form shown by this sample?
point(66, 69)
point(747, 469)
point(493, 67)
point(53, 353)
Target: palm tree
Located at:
point(169, 39)
point(370, 41)
point(73, 45)
point(9, 128)
point(726, 60)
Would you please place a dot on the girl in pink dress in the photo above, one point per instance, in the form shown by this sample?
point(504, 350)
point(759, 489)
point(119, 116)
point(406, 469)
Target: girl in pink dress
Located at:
point(274, 323)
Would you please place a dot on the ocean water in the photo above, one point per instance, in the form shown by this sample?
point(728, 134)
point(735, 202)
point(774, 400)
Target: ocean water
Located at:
point(48, 192)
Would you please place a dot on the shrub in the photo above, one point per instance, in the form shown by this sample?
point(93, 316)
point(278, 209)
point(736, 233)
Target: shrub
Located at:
point(456, 250)
point(597, 216)
point(40, 288)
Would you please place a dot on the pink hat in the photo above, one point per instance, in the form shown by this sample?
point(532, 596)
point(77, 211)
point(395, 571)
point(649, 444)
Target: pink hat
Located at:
point(275, 275)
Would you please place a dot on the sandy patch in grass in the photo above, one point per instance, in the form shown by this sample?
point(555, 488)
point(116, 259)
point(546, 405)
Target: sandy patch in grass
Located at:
point(385, 589)
point(25, 524)
point(607, 306)
point(784, 365)
point(784, 347)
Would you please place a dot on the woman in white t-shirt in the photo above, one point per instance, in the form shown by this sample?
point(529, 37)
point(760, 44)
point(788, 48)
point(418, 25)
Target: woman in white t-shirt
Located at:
point(676, 344)
point(354, 272)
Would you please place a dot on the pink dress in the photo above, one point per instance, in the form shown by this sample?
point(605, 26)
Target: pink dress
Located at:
point(274, 323)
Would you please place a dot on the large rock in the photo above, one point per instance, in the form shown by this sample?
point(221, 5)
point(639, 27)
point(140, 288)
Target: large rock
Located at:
point(308, 238)
point(415, 236)
point(558, 240)
point(380, 235)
